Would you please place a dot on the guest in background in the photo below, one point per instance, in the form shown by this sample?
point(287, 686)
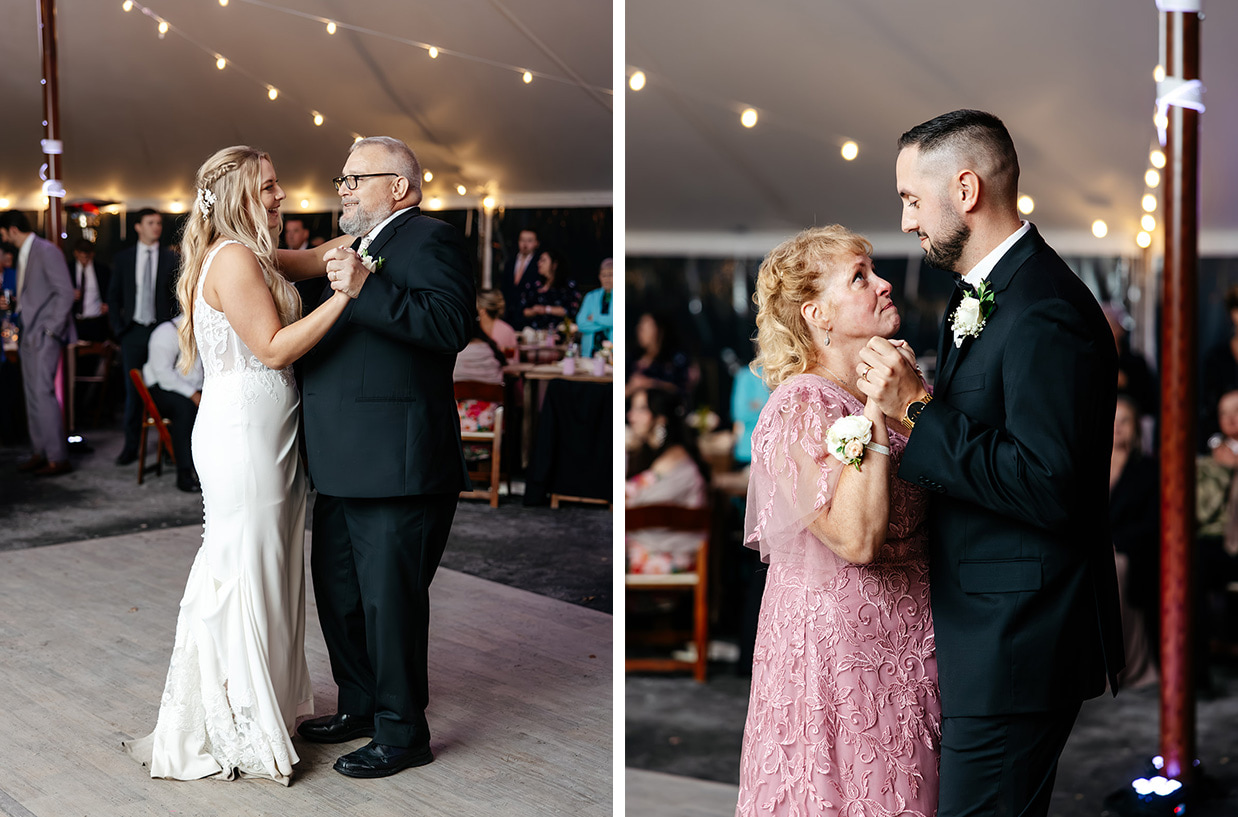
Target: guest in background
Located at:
point(176, 395)
point(520, 275)
point(1134, 520)
point(596, 316)
point(490, 306)
point(140, 296)
point(1134, 374)
point(664, 468)
point(8, 266)
point(481, 360)
point(556, 297)
point(661, 365)
point(90, 283)
point(44, 306)
point(297, 237)
point(1220, 374)
point(748, 396)
point(1216, 504)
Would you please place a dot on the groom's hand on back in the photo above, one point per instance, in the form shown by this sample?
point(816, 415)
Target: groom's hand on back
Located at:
point(893, 381)
point(345, 272)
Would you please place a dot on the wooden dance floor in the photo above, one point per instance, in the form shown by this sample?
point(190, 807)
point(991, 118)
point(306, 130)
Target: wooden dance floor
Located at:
point(653, 794)
point(520, 697)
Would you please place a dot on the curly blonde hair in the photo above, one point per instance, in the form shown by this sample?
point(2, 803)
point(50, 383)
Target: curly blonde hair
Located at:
point(234, 176)
point(790, 275)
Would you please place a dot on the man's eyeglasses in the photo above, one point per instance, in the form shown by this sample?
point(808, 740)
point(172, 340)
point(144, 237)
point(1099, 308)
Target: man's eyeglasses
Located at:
point(351, 181)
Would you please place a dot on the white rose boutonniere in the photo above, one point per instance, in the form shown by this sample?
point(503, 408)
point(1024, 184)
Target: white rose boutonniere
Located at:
point(972, 313)
point(371, 263)
point(847, 438)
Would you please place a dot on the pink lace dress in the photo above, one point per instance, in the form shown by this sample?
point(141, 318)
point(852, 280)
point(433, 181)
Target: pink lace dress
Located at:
point(844, 716)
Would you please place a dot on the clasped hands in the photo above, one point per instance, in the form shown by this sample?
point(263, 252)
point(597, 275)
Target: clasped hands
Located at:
point(888, 375)
point(345, 272)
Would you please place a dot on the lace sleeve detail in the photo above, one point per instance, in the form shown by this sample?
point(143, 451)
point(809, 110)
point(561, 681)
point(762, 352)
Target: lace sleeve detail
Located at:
point(793, 475)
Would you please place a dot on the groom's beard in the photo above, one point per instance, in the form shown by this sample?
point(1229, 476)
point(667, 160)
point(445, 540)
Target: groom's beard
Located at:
point(945, 251)
point(359, 221)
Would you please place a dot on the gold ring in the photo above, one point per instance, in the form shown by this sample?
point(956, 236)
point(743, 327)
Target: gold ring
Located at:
point(864, 376)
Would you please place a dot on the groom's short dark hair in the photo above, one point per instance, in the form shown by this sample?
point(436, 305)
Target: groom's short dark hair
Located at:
point(976, 133)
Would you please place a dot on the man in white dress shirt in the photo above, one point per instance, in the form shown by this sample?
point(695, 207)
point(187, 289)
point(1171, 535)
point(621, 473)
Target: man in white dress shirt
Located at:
point(176, 395)
point(90, 280)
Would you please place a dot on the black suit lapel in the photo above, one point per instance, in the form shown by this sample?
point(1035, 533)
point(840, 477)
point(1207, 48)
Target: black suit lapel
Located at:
point(388, 232)
point(947, 355)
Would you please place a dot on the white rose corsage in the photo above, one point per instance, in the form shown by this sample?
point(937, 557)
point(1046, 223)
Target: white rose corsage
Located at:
point(370, 262)
point(849, 437)
point(972, 313)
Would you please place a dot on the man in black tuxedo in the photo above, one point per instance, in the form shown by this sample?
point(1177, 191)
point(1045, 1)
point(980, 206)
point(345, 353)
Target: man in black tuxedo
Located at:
point(520, 275)
point(140, 296)
point(383, 444)
point(1015, 443)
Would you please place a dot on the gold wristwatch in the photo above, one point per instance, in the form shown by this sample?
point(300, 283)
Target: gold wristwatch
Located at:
point(912, 412)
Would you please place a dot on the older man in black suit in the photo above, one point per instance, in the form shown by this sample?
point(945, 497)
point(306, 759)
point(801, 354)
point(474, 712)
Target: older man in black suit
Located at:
point(141, 295)
point(383, 443)
point(1015, 442)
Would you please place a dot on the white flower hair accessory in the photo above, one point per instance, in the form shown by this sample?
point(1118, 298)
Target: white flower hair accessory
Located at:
point(848, 438)
point(206, 201)
point(972, 313)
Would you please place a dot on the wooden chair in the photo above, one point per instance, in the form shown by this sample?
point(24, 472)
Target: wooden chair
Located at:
point(675, 518)
point(491, 467)
point(151, 419)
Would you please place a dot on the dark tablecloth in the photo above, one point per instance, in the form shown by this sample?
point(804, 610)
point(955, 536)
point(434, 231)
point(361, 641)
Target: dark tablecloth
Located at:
point(572, 452)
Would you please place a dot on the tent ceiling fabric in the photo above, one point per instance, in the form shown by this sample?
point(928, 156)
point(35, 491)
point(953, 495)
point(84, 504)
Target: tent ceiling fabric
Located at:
point(140, 113)
point(1073, 82)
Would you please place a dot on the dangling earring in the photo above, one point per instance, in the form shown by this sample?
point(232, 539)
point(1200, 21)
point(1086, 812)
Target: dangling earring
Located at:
point(659, 435)
point(827, 336)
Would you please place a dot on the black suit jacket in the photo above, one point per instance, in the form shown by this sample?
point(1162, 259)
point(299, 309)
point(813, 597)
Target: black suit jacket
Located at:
point(123, 289)
point(103, 277)
point(1016, 444)
point(380, 409)
point(529, 281)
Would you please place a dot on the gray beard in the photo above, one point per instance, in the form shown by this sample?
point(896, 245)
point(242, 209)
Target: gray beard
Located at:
point(361, 221)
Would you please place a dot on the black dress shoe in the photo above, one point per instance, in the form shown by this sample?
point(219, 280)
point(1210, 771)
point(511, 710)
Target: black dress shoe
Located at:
point(189, 485)
point(126, 458)
point(337, 728)
point(381, 760)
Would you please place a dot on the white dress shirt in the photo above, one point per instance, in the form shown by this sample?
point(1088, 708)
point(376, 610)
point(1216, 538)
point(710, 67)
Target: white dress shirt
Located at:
point(88, 283)
point(165, 353)
point(981, 271)
point(23, 256)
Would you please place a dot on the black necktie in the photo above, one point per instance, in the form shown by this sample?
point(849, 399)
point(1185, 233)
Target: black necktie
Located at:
point(964, 287)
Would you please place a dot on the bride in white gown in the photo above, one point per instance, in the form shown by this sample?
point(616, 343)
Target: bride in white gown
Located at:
point(238, 677)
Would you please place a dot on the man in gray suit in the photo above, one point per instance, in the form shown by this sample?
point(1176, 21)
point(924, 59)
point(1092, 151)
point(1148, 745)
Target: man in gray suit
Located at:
point(44, 306)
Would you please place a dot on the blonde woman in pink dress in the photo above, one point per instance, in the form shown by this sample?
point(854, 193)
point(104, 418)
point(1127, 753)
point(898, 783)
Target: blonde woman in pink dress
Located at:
point(844, 716)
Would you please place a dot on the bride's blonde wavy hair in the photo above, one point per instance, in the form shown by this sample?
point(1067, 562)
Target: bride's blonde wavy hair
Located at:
point(234, 177)
point(790, 275)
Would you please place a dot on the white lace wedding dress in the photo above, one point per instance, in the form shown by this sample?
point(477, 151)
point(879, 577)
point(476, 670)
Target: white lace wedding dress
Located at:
point(238, 677)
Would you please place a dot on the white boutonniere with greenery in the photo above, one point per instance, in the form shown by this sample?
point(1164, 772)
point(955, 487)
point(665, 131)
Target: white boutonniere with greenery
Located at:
point(370, 262)
point(972, 313)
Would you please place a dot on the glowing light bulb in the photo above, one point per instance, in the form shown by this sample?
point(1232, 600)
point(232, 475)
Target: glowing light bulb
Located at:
point(317, 118)
point(1158, 73)
point(1152, 178)
point(436, 203)
point(637, 80)
point(748, 118)
point(1100, 229)
point(1148, 222)
point(176, 207)
point(220, 62)
point(1157, 158)
point(433, 53)
point(4, 203)
point(1149, 203)
point(1144, 240)
point(330, 26)
point(428, 176)
point(127, 5)
point(461, 189)
point(223, 2)
point(304, 204)
point(1161, 121)
point(1026, 205)
point(528, 77)
point(272, 93)
point(850, 151)
point(163, 27)
point(357, 138)
point(488, 202)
